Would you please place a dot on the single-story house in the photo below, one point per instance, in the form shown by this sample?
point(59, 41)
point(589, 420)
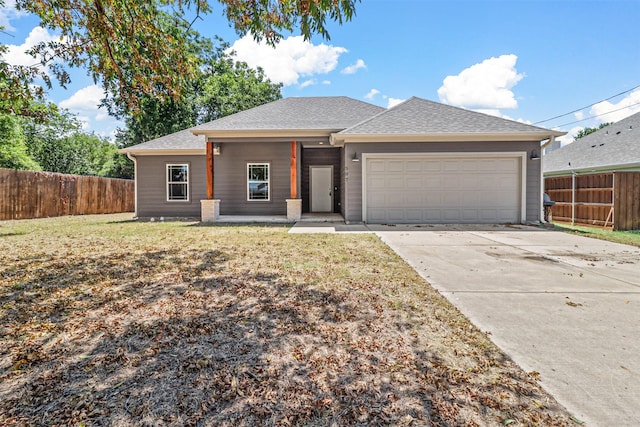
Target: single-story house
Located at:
point(417, 162)
point(614, 148)
point(596, 179)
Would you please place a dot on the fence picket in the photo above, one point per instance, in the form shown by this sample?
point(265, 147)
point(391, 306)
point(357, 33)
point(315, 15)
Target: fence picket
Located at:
point(27, 194)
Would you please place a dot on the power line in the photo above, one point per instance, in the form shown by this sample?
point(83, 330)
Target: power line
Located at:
point(597, 115)
point(590, 105)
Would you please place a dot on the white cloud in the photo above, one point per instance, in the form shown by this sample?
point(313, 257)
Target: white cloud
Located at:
point(484, 85)
point(16, 54)
point(291, 59)
point(352, 69)
point(371, 94)
point(84, 103)
point(9, 12)
point(309, 82)
point(627, 106)
point(326, 82)
point(579, 115)
point(568, 138)
point(392, 102)
point(86, 99)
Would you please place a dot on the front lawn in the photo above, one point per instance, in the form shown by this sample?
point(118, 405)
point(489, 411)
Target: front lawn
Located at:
point(106, 321)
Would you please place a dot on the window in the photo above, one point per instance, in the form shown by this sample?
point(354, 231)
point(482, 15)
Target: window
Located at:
point(258, 181)
point(178, 182)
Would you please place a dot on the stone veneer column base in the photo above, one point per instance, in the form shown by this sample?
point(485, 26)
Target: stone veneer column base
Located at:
point(209, 210)
point(294, 209)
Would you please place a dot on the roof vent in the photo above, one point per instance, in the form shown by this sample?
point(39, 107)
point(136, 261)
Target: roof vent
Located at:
point(618, 133)
point(606, 132)
point(601, 144)
point(630, 127)
point(593, 146)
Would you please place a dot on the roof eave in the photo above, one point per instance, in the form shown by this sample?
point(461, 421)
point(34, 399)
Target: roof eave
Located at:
point(265, 133)
point(595, 169)
point(164, 152)
point(339, 139)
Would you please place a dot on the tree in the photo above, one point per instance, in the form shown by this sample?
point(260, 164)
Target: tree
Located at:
point(60, 145)
point(13, 148)
point(586, 131)
point(222, 88)
point(139, 48)
point(231, 87)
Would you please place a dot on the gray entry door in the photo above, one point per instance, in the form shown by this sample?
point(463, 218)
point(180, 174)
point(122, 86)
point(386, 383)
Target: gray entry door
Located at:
point(321, 188)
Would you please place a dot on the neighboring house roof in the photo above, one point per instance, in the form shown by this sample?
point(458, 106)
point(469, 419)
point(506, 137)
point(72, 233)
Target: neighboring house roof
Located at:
point(329, 114)
point(614, 147)
point(427, 120)
point(181, 141)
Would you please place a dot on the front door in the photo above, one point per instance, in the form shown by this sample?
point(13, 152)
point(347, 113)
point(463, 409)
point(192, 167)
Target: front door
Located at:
point(321, 194)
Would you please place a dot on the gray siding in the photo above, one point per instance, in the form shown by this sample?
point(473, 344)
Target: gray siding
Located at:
point(352, 171)
point(151, 181)
point(230, 177)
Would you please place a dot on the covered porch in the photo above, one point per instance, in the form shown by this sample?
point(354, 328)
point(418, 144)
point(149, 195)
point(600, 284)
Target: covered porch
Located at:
point(305, 188)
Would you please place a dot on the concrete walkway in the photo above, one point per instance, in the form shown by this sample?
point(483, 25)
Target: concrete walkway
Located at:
point(565, 306)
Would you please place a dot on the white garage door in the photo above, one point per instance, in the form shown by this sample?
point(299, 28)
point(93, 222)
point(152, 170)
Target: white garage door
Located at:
point(473, 190)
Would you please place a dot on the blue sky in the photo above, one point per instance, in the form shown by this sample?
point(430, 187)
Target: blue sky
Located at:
point(527, 60)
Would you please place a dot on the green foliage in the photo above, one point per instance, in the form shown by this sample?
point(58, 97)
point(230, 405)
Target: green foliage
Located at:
point(268, 19)
point(143, 48)
point(232, 86)
point(224, 87)
point(60, 145)
point(586, 131)
point(13, 148)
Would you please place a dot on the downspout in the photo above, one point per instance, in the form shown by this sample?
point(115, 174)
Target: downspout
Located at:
point(573, 197)
point(551, 140)
point(135, 187)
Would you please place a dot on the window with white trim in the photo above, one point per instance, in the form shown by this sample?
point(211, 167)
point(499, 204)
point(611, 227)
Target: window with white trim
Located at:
point(178, 182)
point(258, 181)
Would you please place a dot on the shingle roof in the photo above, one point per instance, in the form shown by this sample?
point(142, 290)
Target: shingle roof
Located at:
point(311, 113)
point(419, 116)
point(182, 140)
point(613, 147)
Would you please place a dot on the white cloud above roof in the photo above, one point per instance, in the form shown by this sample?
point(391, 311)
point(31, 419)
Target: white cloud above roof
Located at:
point(613, 112)
point(392, 102)
point(291, 59)
point(485, 85)
point(352, 69)
point(372, 94)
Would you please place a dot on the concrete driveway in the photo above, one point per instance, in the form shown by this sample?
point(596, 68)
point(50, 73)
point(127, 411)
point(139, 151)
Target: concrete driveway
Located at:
point(565, 306)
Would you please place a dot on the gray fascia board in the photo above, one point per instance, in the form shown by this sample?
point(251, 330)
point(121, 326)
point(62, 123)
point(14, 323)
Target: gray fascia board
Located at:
point(339, 139)
point(628, 167)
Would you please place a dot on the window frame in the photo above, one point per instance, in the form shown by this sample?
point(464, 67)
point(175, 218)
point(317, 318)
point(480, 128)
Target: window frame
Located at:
point(169, 183)
point(267, 181)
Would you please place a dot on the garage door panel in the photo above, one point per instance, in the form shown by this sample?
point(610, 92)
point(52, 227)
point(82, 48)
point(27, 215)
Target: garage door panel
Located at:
point(414, 182)
point(395, 166)
point(443, 190)
point(395, 182)
point(375, 166)
point(413, 166)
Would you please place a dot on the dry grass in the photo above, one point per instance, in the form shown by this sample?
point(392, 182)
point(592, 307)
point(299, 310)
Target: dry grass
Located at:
point(112, 322)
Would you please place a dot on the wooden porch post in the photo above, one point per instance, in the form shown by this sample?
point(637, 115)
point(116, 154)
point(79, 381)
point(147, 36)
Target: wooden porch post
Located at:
point(293, 175)
point(209, 170)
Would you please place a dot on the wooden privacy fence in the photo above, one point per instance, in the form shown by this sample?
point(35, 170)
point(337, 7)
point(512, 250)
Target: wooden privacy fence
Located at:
point(603, 199)
point(26, 194)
